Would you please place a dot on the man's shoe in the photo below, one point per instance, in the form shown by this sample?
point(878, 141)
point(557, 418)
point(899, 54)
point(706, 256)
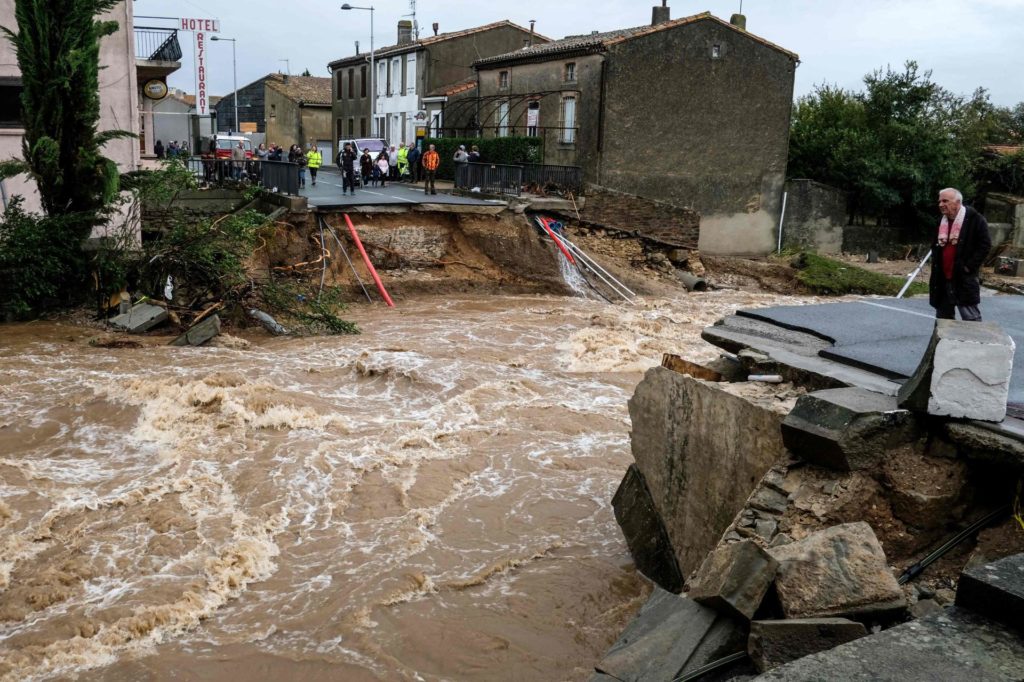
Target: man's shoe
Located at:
point(433, 192)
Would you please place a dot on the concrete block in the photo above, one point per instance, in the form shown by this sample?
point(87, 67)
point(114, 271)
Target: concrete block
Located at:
point(734, 579)
point(670, 635)
point(839, 571)
point(952, 645)
point(846, 428)
point(141, 318)
point(775, 642)
point(995, 590)
point(965, 373)
point(199, 333)
point(645, 533)
point(702, 451)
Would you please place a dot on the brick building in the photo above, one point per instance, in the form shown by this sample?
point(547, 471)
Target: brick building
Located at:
point(694, 112)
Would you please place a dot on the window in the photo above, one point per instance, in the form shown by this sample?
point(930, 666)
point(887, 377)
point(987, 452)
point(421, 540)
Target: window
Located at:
point(570, 72)
point(395, 82)
point(351, 83)
point(273, 112)
point(410, 74)
point(503, 79)
point(362, 82)
point(362, 127)
point(532, 118)
point(337, 83)
point(716, 51)
point(341, 128)
point(568, 135)
point(382, 78)
point(351, 127)
point(502, 129)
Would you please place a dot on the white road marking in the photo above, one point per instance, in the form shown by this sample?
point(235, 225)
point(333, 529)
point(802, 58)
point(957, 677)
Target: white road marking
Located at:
point(899, 310)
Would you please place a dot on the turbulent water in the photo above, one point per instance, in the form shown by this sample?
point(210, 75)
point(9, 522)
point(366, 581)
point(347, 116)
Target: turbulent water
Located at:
point(429, 500)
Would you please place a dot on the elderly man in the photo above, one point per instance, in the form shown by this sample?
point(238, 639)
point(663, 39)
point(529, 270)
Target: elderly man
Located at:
point(963, 244)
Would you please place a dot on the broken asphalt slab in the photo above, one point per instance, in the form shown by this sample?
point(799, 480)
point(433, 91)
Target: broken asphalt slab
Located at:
point(995, 590)
point(141, 318)
point(645, 532)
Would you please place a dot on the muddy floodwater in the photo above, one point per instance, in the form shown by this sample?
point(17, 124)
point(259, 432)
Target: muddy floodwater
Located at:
point(429, 500)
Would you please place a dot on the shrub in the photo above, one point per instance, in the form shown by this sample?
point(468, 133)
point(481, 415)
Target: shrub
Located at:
point(503, 150)
point(830, 277)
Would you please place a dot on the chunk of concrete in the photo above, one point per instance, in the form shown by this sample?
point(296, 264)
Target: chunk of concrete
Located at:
point(702, 451)
point(952, 645)
point(925, 492)
point(995, 589)
point(645, 533)
point(978, 441)
point(200, 333)
point(965, 373)
point(670, 635)
point(839, 571)
point(846, 428)
point(141, 318)
point(775, 642)
point(734, 578)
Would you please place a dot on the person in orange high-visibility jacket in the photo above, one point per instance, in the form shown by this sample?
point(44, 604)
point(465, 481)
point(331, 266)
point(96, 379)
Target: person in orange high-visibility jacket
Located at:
point(430, 163)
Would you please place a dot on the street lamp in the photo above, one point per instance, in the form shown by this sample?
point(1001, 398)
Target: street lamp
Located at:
point(373, 71)
point(234, 75)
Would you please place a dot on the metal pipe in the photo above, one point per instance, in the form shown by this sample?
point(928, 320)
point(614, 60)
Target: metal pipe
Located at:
point(912, 276)
point(693, 282)
point(369, 265)
point(782, 217)
point(344, 252)
point(585, 257)
point(590, 264)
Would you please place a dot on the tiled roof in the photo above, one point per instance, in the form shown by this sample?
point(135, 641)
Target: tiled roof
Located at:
point(382, 52)
point(598, 42)
point(454, 88)
point(307, 89)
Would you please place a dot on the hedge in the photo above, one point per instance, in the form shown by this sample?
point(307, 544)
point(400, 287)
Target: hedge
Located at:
point(503, 150)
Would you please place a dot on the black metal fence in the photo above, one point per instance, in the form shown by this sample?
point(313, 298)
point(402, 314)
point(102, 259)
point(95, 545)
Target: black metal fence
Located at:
point(157, 44)
point(542, 178)
point(280, 177)
point(489, 178)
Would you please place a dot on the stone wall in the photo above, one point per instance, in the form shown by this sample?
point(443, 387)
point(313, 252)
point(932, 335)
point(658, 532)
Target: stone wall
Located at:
point(702, 450)
point(654, 219)
point(815, 217)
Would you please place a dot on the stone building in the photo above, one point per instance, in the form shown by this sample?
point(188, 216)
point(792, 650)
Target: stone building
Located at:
point(174, 118)
point(692, 111)
point(409, 71)
point(281, 109)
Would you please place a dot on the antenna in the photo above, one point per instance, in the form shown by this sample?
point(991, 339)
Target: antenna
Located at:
point(287, 66)
point(741, 6)
point(415, 24)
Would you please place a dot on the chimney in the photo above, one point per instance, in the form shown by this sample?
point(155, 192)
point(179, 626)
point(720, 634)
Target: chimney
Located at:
point(357, 47)
point(532, 22)
point(436, 27)
point(404, 31)
point(739, 21)
point(661, 14)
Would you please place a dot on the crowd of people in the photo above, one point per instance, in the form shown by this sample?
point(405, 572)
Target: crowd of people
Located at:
point(172, 151)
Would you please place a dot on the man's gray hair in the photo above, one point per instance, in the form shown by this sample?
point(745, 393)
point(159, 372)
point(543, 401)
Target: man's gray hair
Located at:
point(959, 196)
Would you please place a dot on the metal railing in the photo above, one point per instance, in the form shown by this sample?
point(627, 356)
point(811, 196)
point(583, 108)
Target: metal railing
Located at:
point(489, 178)
point(279, 177)
point(157, 44)
point(547, 177)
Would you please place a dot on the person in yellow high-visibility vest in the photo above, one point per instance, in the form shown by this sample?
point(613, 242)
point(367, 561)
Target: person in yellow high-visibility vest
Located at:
point(314, 159)
point(403, 161)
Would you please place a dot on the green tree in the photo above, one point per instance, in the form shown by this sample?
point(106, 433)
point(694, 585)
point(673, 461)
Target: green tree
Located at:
point(893, 145)
point(57, 43)
point(306, 73)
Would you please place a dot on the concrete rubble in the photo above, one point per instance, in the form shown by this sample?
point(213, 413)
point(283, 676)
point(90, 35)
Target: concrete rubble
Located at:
point(645, 533)
point(995, 590)
point(965, 373)
point(846, 428)
point(199, 333)
point(838, 571)
point(777, 642)
point(791, 524)
point(140, 318)
point(734, 579)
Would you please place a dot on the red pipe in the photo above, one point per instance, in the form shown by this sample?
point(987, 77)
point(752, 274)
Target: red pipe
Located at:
point(369, 265)
point(558, 242)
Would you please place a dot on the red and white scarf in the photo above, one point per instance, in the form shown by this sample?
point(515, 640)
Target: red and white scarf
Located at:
point(948, 234)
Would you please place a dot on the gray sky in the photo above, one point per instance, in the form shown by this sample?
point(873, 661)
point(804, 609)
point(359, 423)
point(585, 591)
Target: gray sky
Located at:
point(966, 43)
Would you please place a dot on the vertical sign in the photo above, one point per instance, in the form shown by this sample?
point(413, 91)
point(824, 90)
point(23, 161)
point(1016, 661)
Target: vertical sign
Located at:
point(201, 28)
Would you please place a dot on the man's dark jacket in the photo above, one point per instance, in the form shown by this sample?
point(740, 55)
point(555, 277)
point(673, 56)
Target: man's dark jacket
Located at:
point(346, 160)
point(971, 251)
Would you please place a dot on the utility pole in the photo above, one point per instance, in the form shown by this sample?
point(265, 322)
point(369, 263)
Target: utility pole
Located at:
point(234, 77)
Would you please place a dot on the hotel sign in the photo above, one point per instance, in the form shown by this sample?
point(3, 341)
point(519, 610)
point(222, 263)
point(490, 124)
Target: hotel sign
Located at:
point(201, 30)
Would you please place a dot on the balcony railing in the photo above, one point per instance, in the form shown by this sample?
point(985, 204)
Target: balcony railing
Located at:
point(157, 44)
